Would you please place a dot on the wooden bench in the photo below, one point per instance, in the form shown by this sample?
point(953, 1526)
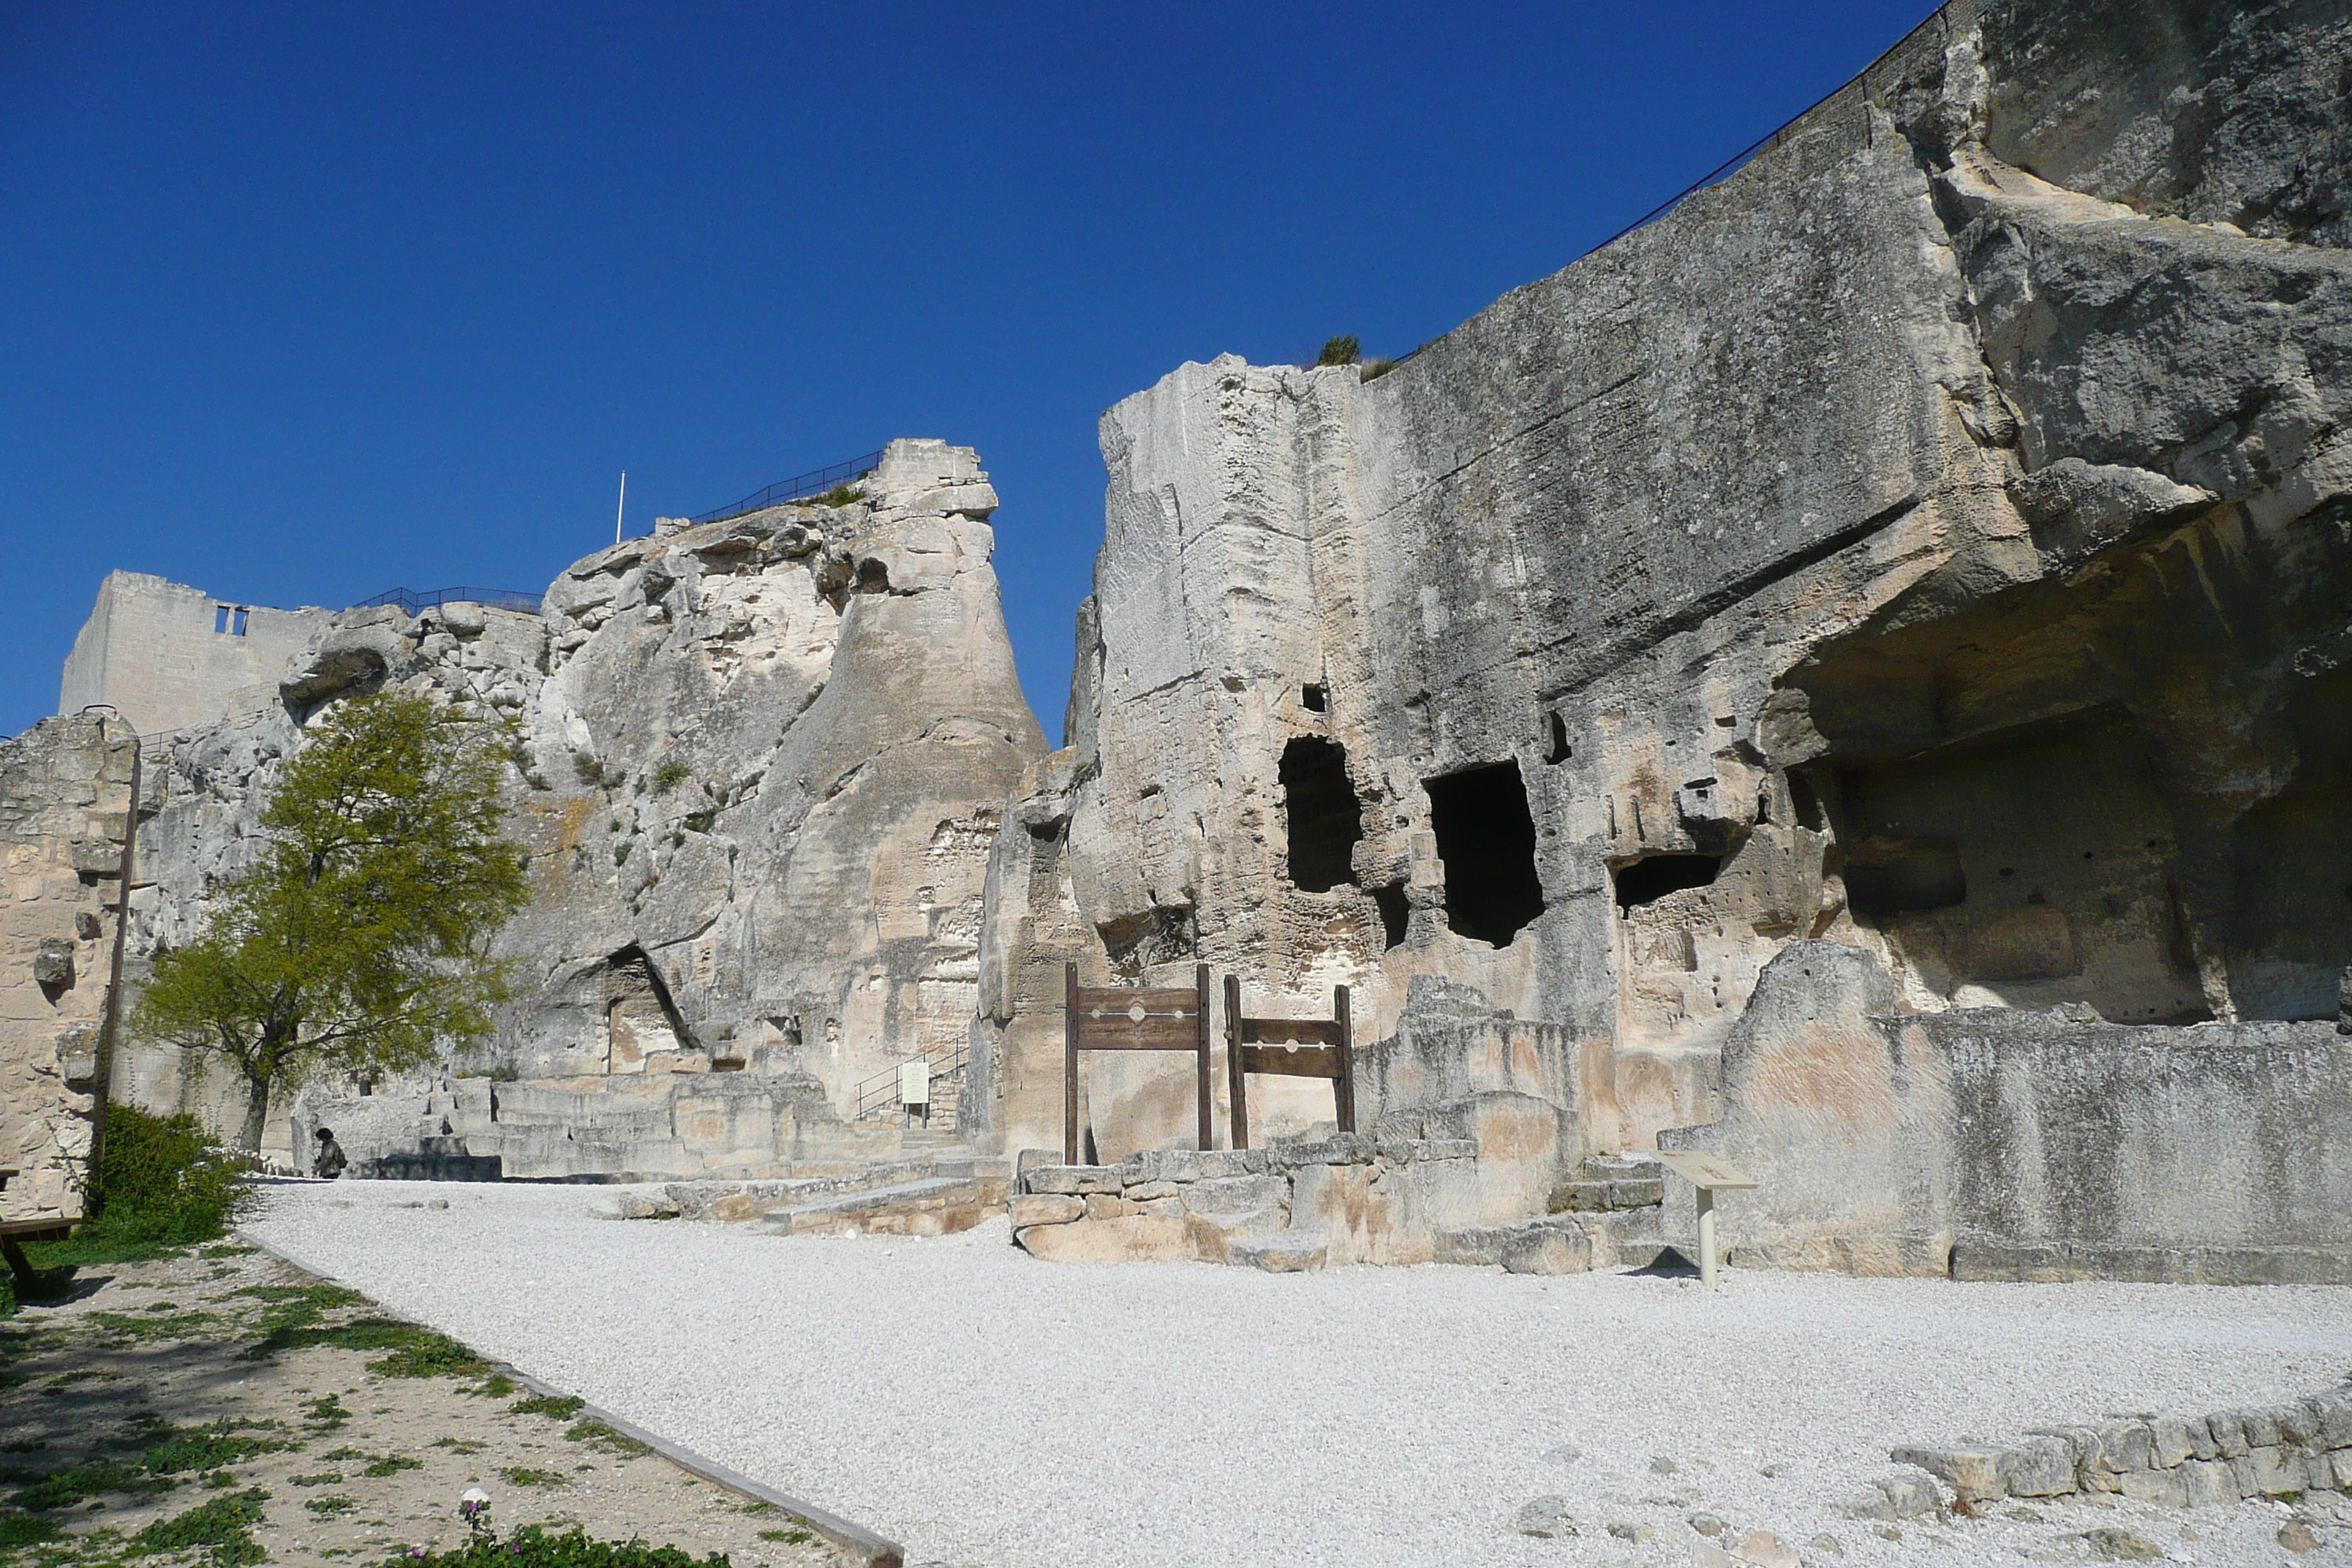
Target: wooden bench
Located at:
point(1290, 1047)
point(14, 1233)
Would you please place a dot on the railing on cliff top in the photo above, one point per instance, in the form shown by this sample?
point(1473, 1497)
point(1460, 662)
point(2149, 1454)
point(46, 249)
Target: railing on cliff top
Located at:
point(415, 602)
point(813, 483)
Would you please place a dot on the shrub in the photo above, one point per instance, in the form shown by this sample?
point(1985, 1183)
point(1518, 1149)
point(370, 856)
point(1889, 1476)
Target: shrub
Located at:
point(1340, 351)
point(671, 773)
point(841, 495)
point(161, 1184)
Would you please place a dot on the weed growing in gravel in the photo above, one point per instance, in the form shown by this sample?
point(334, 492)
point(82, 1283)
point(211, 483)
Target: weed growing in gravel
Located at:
point(220, 1480)
point(325, 1414)
point(323, 1478)
point(458, 1445)
point(78, 1483)
point(606, 1438)
point(222, 1527)
point(392, 1465)
point(789, 1537)
point(340, 1454)
point(331, 1505)
point(179, 1326)
point(497, 1385)
point(546, 1405)
point(532, 1547)
point(174, 1449)
point(227, 1250)
point(524, 1475)
point(761, 1505)
point(415, 1351)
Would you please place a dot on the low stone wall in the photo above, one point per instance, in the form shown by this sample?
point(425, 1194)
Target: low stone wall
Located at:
point(1345, 1199)
point(2187, 1462)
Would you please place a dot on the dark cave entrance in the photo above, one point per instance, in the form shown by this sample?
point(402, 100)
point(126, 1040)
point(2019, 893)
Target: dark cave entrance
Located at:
point(1321, 817)
point(1653, 877)
point(1487, 841)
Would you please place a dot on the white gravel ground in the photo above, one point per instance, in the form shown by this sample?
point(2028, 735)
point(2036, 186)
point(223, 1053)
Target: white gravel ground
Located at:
point(986, 1409)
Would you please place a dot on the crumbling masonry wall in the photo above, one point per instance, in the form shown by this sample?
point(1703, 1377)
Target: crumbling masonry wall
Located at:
point(64, 810)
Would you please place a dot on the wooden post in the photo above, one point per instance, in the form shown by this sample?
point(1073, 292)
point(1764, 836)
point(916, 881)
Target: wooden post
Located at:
point(1240, 1139)
point(1201, 988)
point(1344, 1084)
point(1069, 1064)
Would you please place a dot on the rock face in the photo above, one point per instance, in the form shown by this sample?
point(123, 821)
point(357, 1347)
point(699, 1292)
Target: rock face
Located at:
point(758, 766)
point(1931, 540)
point(64, 810)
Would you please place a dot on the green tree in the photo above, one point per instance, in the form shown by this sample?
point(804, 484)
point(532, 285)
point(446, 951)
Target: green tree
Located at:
point(356, 940)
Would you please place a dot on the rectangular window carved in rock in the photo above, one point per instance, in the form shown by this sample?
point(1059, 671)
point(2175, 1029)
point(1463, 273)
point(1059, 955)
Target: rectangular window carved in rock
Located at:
point(1486, 839)
point(1321, 817)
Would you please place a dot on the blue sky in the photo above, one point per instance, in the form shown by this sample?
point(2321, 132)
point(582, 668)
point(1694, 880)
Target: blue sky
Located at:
point(297, 304)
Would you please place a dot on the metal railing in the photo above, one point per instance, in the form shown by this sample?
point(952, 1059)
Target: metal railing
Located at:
point(415, 601)
point(880, 1092)
point(815, 482)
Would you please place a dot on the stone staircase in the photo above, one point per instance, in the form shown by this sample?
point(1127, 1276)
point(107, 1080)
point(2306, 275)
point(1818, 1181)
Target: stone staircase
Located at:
point(1603, 1214)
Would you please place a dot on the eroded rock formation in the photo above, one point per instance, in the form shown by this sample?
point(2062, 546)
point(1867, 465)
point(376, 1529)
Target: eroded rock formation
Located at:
point(1935, 540)
point(758, 764)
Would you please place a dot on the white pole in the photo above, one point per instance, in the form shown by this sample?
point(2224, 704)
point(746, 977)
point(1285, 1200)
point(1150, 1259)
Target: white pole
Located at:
point(1707, 1237)
point(622, 507)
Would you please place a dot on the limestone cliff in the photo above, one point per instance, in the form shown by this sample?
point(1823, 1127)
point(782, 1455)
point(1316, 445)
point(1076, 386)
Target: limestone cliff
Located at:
point(758, 763)
point(1931, 538)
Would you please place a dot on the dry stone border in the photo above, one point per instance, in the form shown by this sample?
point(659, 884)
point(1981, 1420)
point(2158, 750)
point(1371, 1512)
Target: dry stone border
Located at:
point(2183, 1462)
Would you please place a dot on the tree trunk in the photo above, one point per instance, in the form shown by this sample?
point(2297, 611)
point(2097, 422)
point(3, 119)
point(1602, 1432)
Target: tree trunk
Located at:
point(257, 1112)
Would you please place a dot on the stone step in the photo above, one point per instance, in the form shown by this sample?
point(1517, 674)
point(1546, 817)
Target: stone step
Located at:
point(1556, 1244)
point(937, 1205)
point(1605, 1182)
point(880, 1174)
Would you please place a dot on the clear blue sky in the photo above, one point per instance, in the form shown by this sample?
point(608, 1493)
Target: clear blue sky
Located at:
point(297, 304)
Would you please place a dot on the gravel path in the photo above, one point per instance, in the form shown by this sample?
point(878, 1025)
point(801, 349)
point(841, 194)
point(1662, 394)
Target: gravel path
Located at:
point(986, 1409)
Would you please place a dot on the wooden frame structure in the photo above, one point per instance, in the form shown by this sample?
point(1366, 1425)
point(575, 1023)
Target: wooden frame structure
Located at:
point(1117, 1018)
point(1290, 1047)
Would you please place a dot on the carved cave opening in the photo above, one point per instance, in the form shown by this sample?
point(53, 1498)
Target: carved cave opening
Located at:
point(2027, 868)
point(640, 1019)
point(1321, 817)
point(1653, 877)
point(1396, 913)
point(1486, 839)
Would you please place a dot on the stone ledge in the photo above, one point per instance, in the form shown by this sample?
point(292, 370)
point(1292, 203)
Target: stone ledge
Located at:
point(2055, 1261)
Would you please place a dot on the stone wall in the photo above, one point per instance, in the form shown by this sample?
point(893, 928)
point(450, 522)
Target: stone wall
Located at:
point(2007, 1143)
point(2185, 1461)
point(1930, 538)
point(165, 656)
point(65, 808)
point(757, 765)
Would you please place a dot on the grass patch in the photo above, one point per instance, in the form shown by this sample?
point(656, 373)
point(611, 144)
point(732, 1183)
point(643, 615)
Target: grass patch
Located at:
point(137, 1327)
point(323, 1478)
point(789, 1537)
point(524, 1475)
point(342, 1454)
point(414, 1350)
point(392, 1465)
point(497, 1385)
point(532, 1547)
point(203, 1449)
point(459, 1445)
point(546, 1405)
point(329, 1505)
point(227, 1250)
point(606, 1438)
point(78, 1483)
point(325, 1414)
point(223, 1528)
point(26, 1530)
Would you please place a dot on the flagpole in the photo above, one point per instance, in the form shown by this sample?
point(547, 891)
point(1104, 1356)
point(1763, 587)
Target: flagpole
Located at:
point(621, 507)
